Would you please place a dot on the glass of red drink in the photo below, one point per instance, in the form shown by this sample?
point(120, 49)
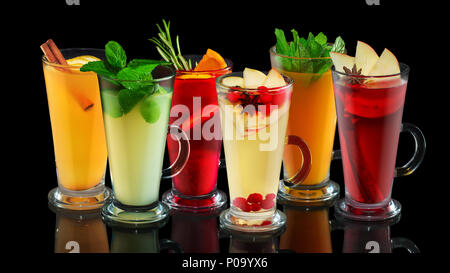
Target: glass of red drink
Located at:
point(195, 109)
point(369, 111)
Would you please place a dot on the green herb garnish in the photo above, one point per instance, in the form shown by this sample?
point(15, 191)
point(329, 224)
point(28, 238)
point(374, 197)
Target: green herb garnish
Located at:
point(134, 78)
point(166, 49)
point(310, 52)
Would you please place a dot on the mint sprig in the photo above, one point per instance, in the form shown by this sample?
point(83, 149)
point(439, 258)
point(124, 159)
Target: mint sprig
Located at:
point(134, 78)
point(309, 50)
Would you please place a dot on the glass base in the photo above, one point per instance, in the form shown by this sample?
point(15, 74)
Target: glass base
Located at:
point(79, 200)
point(204, 203)
point(269, 224)
point(320, 193)
point(114, 213)
point(388, 211)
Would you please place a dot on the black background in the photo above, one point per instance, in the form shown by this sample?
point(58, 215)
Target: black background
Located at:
point(243, 32)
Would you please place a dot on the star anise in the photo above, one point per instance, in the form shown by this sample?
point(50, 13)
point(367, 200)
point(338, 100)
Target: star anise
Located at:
point(354, 72)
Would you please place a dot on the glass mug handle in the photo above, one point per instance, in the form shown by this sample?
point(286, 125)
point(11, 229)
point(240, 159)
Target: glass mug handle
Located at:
point(303, 172)
point(419, 153)
point(184, 150)
point(407, 244)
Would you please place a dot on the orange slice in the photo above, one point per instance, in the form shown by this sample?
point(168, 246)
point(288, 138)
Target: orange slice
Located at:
point(211, 61)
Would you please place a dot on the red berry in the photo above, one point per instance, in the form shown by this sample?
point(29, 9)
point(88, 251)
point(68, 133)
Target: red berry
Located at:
point(270, 196)
point(262, 88)
point(256, 207)
point(239, 202)
point(246, 207)
point(265, 98)
point(267, 203)
point(254, 198)
point(233, 96)
point(265, 223)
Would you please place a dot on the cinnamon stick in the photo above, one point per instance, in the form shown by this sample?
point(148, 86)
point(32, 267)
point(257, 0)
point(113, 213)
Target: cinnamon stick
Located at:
point(53, 55)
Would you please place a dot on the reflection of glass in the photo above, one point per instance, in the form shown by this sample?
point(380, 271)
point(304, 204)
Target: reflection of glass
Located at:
point(195, 94)
point(369, 113)
point(254, 139)
point(307, 229)
point(248, 242)
point(80, 232)
point(372, 237)
point(196, 233)
point(312, 116)
point(78, 133)
point(136, 147)
point(129, 239)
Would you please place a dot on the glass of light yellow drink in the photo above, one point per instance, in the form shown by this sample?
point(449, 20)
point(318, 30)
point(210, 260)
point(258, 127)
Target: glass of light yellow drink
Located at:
point(254, 122)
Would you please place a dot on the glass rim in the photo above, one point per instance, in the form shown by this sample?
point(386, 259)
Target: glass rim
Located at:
point(273, 52)
point(47, 62)
point(253, 90)
point(225, 69)
point(157, 80)
point(404, 69)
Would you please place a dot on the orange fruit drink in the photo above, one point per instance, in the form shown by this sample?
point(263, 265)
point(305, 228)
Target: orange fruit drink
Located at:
point(77, 124)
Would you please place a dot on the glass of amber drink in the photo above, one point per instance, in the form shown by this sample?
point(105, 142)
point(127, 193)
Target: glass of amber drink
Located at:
point(78, 132)
point(312, 116)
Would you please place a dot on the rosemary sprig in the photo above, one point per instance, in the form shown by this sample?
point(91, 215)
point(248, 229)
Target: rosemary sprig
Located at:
point(166, 49)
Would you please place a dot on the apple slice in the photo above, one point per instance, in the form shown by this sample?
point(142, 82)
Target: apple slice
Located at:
point(274, 79)
point(233, 81)
point(365, 57)
point(387, 64)
point(253, 78)
point(340, 60)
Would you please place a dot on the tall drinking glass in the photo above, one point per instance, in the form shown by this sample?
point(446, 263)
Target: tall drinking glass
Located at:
point(78, 133)
point(369, 111)
point(312, 117)
point(136, 142)
point(254, 136)
point(196, 111)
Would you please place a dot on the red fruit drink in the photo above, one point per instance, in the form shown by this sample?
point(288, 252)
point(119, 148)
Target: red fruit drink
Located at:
point(195, 95)
point(369, 120)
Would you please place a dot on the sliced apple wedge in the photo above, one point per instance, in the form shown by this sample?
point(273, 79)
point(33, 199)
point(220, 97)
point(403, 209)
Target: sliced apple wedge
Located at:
point(233, 81)
point(274, 79)
point(365, 57)
point(340, 60)
point(387, 64)
point(253, 78)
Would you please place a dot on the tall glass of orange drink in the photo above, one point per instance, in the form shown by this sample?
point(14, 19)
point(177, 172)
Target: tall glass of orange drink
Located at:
point(78, 132)
point(312, 116)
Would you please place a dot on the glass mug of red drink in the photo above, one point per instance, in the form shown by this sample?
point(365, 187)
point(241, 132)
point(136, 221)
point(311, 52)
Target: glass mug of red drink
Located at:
point(369, 111)
point(195, 109)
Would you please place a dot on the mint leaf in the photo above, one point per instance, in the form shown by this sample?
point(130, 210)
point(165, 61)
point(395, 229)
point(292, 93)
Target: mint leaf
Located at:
point(110, 103)
point(321, 39)
point(115, 55)
point(129, 98)
point(138, 62)
point(97, 67)
point(282, 45)
point(338, 46)
point(135, 78)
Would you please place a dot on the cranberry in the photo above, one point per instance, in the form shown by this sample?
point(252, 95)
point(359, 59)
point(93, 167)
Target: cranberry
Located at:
point(263, 88)
point(265, 223)
point(233, 96)
point(246, 207)
point(270, 196)
point(267, 203)
point(254, 198)
point(239, 202)
point(265, 98)
point(256, 207)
